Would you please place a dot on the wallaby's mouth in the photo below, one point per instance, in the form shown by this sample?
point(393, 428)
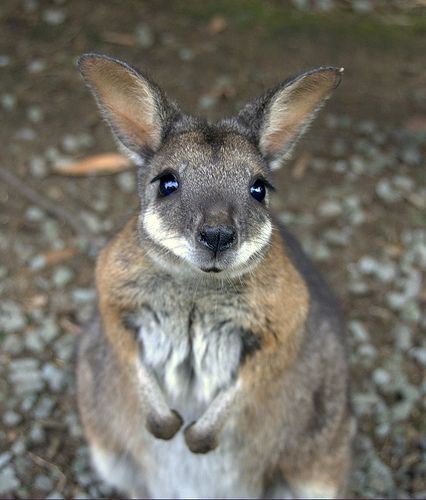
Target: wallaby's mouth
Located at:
point(211, 269)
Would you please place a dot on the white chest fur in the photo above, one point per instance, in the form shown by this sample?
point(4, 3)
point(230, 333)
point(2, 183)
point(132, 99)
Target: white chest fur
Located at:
point(194, 352)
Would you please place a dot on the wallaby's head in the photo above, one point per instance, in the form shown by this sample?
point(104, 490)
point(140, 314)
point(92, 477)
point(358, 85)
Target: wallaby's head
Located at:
point(203, 187)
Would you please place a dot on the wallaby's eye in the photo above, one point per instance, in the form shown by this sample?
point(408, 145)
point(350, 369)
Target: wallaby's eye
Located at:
point(258, 190)
point(168, 184)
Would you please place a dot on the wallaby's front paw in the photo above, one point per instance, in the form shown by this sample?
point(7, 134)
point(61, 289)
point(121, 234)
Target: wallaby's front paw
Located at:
point(199, 442)
point(164, 428)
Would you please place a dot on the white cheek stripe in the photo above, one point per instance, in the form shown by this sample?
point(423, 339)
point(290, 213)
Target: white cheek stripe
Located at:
point(248, 248)
point(155, 228)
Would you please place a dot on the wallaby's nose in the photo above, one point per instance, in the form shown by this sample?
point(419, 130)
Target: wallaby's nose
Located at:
point(217, 238)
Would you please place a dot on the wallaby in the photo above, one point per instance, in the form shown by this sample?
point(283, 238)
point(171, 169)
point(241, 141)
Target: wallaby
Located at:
point(216, 367)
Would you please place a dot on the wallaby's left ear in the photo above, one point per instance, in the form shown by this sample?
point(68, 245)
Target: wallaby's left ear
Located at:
point(137, 110)
point(279, 118)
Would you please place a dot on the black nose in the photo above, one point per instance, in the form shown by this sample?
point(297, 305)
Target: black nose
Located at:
point(217, 238)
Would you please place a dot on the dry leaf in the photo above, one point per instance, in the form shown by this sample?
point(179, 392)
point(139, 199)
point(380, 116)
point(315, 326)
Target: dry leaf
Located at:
point(56, 256)
point(107, 163)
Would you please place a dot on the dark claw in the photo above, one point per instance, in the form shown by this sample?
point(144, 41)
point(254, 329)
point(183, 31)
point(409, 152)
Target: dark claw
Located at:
point(166, 428)
point(199, 443)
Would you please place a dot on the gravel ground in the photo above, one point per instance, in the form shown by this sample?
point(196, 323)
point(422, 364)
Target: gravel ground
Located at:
point(355, 195)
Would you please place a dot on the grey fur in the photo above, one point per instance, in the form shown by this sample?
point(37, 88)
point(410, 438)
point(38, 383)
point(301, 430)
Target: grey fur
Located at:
point(180, 422)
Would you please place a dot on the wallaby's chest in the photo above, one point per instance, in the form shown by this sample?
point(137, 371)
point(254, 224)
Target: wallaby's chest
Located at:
point(193, 343)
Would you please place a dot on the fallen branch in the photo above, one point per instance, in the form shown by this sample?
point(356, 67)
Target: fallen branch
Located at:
point(59, 212)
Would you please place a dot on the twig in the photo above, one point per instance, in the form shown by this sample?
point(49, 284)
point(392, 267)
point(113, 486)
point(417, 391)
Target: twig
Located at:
point(59, 212)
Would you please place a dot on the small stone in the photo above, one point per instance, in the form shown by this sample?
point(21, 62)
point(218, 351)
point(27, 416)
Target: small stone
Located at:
point(35, 114)
point(62, 276)
point(25, 376)
point(44, 407)
point(11, 418)
point(419, 354)
point(8, 480)
point(33, 342)
point(83, 295)
point(4, 60)
point(403, 336)
point(5, 458)
point(358, 287)
point(36, 66)
point(362, 6)
point(411, 155)
point(54, 17)
point(70, 143)
point(35, 214)
point(410, 312)
point(387, 192)
point(381, 377)
point(49, 330)
point(43, 483)
point(18, 447)
point(54, 377)
point(8, 102)
point(38, 167)
point(92, 222)
point(37, 262)
point(12, 318)
point(37, 434)
point(367, 351)
point(144, 35)
point(12, 344)
point(330, 209)
point(358, 331)
point(126, 182)
point(207, 101)
point(186, 54)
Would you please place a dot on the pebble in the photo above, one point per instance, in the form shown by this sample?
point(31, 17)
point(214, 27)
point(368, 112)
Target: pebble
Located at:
point(38, 167)
point(5, 458)
point(144, 35)
point(419, 354)
point(35, 214)
point(381, 377)
point(11, 418)
point(126, 182)
point(44, 407)
point(362, 6)
point(62, 276)
point(12, 318)
point(25, 375)
point(83, 295)
point(54, 17)
point(8, 102)
point(43, 483)
point(35, 114)
point(186, 54)
point(330, 209)
point(12, 344)
point(358, 331)
point(54, 377)
point(36, 66)
point(8, 480)
point(49, 330)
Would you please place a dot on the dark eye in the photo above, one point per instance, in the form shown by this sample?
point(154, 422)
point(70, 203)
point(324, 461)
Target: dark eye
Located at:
point(258, 190)
point(168, 184)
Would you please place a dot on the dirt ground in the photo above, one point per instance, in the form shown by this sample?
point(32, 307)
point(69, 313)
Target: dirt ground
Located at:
point(355, 194)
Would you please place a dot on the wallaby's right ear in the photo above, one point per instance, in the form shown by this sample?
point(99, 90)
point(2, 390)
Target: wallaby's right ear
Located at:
point(136, 109)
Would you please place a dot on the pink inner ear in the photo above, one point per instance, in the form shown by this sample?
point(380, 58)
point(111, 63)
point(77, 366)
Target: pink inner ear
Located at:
point(136, 133)
point(293, 109)
point(126, 100)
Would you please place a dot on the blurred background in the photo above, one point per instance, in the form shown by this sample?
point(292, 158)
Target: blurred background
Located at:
point(354, 193)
